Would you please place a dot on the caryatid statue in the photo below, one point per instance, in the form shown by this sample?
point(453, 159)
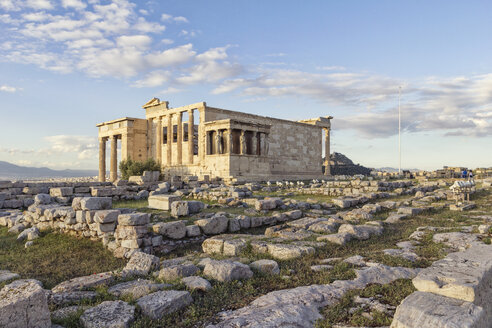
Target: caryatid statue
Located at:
point(266, 145)
point(218, 142)
point(242, 140)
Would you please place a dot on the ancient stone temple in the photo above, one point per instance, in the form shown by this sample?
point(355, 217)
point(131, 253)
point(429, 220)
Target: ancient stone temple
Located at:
point(205, 141)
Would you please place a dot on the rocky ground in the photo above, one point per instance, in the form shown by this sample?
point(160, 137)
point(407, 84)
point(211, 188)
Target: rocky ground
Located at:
point(278, 255)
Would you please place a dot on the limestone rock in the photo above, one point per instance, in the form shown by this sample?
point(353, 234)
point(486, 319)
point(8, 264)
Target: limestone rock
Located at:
point(81, 283)
point(173, 230)
point(66, 312)
point(29, 234)
point(422, 309)
point(23, 304)
point(63, 298)
point(110, 314)
point(213, 245)
point(42, 199)
point(195, 282)
point(141, 264)
point(162, 202)
point(179, 208)
point(6, 275)
point(361, 232)
point(456, 240)
point(338, 238)
point(135, 288)
point(214, 225)
point(266, 266)
point(288, 251)
point(178, 271)
point(234, 247)
point(463, 275)
point(106, 216)
point(227, 270)
point(158, 304)
point(133, 219)
point(95, 203)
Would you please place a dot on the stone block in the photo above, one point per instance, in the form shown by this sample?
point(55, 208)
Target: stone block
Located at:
point(133, 219)
point(158, 304)
point(95, 203)
point(141, 264)
point(23, 303)
point(173, 230)
point(179, 208)
point(193, 231)
point(213, 246)
point(81, 283)
point(266, 266)
point(109, 314)
point(178, 271)
point(227, 270)
point(61, 192)
point(42, 199)
point(463, 275)
point(162, 202)
point(287, 251)
point(422, 309)
point(106, 216)
point(214, 225)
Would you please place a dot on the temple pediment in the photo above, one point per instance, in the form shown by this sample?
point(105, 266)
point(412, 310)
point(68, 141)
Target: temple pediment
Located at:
point(154, 102)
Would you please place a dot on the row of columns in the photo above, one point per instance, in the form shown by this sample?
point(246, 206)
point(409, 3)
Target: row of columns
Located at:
point(179, 141)
point(219, 142)
point(113, 162)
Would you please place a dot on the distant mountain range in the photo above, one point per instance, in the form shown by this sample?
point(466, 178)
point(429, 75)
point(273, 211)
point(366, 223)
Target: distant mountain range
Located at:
point(9, 171)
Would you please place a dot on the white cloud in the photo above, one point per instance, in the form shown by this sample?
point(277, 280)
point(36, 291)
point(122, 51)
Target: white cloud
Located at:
point(166, 17)
point(181, 19)
point(137, 41)
point(106, 39)
point(76, 4)
point(167, 41)
point(154, 79)
point(9, 5)
point(8, 88)
point(39, 4)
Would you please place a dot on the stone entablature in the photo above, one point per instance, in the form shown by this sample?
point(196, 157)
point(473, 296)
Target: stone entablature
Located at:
point(205, 141)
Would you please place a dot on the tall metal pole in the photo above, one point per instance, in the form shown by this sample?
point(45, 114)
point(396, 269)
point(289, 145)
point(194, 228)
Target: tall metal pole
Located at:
point(399, 131)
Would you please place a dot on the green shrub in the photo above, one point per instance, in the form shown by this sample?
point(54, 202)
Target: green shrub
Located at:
point(130, 167)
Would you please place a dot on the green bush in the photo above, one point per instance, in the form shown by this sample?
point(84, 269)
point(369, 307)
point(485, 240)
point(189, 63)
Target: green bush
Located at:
point(130, 167)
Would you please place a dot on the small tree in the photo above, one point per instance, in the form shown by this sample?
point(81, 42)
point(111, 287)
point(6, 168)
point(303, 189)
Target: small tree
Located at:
point(129, 167)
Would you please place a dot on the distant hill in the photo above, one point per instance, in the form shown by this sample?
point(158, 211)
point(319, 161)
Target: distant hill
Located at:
point(11, 171)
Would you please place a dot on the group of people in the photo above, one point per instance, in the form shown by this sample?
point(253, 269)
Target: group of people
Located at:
point(467, 175)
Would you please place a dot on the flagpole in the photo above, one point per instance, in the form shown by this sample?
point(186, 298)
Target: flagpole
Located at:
point(399, 131)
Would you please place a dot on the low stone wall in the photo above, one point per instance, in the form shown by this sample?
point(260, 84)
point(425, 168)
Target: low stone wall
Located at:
point(21, 194)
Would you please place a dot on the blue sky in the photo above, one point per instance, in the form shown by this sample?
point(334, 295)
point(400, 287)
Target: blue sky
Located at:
point(67, 65)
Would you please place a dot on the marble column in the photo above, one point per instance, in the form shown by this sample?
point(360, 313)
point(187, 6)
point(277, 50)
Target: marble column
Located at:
point(102, 159)
point(113, 166)
point(191, 139)
point(179, 141)
point(169, 140)
point(158, 141)
point(327, 152)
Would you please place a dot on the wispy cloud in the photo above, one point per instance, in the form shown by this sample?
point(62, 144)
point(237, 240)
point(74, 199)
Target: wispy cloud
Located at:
point(8, 88)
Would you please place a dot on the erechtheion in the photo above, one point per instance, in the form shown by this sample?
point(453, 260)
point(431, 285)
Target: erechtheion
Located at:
point(221, 143)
